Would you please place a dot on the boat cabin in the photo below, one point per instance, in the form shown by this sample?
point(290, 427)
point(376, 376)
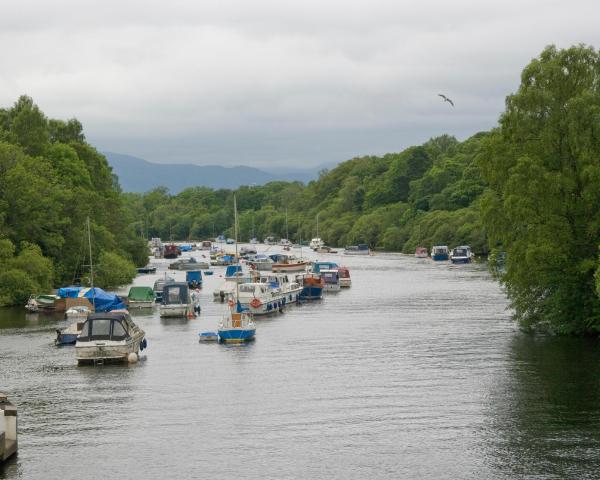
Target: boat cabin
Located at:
point(331, 279)
point(318, 266)
point(176, 293)
point(440, 252)
point(106, 326)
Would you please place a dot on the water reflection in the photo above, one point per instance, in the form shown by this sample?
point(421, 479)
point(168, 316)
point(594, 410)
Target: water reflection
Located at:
point(546, 409)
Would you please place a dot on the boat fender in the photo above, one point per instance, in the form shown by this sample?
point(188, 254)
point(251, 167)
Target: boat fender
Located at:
point(255, 303)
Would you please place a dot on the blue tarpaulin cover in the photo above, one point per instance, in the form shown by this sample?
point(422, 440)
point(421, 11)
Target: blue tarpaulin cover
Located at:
point(103, 301)
point(185, 248)
point(69, 292)
point(232, 270)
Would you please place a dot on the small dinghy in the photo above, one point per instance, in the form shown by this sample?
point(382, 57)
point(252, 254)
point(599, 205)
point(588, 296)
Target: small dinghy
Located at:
point(208, 337)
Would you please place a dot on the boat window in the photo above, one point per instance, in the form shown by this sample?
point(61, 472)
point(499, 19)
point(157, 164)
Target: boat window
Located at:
point(247, 288)
point(119, 332)
point(101, 328)
point(85, 331)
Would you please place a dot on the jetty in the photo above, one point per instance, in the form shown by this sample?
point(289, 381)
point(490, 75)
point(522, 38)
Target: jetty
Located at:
point(8, 428)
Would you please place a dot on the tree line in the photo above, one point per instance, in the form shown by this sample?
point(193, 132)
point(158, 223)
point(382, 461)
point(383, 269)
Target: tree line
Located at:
point(51, 180)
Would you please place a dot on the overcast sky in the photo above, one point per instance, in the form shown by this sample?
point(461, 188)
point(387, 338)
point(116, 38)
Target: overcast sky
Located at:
point(276, 83)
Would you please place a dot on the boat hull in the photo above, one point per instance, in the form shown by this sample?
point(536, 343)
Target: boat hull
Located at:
point(182, 310)
point(461, 260)
point(440, 257)
point(140, 304)
point(236, 335)
point(311, 293)
point(107, 352)
point(345, 282)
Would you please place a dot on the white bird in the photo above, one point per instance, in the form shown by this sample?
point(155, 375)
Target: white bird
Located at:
point(446, 99)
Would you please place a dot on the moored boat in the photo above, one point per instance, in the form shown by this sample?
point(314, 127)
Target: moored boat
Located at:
point(331, 280)
point(312, 286)
point(171, 251)
point(68, 336)
point(77, 312)
point(461, 254)
point(140, 297)
point(237, 325)
point(288, 263)
point(421, 252)
point(316, 243)
point(176, 300)
point(146, 269)
point(440, 253)
point(344, 274)
point(8, 429)
point(194, 278)
point(360, 249)
point(159, 286)
point(109, 337)
point(189, 264)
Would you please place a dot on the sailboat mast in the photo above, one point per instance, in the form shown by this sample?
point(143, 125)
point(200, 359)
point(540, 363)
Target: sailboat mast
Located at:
point(90, 247)
point(317, 225)
point(235, 231)
point(287, 235)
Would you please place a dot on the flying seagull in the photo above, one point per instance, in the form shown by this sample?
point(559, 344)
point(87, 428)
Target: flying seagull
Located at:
point(446, 99)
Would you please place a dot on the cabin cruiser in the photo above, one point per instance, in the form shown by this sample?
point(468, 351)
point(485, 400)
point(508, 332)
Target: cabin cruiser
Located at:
point(140, 297)
point(109, 337)
point(312, 286)
point(189, 264)
point(285, 286)
point(318, 266)
point(421, 252)
point(269, 241)
point(176, 300)
point(316, 243)
point(461, 254)
point(439, 253)
point(345, 280)
point(261, 263)
point(288, 263)
point(259, 298)
point(360, 249)
point(331, 279)
point(159, 285)
point(247, 250)
point(284, 242)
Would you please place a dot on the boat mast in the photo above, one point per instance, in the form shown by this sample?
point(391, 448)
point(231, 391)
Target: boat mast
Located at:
point(287, 235)
point(318, 224)
point(235, 231)
point(91, 262)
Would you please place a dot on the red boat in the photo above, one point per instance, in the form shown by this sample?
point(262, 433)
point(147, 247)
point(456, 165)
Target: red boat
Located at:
point(172, 251)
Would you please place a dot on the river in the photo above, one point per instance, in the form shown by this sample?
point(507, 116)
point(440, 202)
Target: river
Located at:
point(417, 371)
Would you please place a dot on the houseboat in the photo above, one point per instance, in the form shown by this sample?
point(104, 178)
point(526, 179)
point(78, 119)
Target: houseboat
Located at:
point(109, 337)
point(440, 253)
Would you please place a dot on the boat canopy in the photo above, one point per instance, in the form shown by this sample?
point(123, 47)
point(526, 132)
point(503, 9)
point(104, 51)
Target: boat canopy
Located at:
point(69, 292)
point(102, 301)
point(192, 275)
point(105, 326)
point(185, 248)
point(318, 266)
point(141, 294)
point(175, 294)
point(233, 270)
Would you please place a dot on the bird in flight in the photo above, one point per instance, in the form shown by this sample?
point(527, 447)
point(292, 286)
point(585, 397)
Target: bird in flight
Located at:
point(446, 99)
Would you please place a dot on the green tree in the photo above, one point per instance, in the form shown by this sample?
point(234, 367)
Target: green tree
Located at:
point(113, 271)
point(543, 168)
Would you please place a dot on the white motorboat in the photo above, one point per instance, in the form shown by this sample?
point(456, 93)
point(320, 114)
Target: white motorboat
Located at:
point(259, 298)
point(316, 243)
point(109, 337)
point(286, 287)
point(176, 300)
point(345, 280)
point(78, 312)
point(331, 279)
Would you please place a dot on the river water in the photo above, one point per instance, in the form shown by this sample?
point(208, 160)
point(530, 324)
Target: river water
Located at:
point(417, 371)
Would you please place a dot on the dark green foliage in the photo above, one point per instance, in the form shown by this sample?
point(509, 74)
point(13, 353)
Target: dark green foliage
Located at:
point(50, 182)
point(543, 205)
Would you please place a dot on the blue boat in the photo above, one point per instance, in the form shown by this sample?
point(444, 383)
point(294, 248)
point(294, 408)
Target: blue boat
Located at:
point(194, 278)
point(318, 266)
point(233, 271)
point(312, 288)
point(208, 337)
point(440, 253)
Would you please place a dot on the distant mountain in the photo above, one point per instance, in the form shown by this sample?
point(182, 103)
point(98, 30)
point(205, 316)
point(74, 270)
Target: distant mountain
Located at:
point(138, 175)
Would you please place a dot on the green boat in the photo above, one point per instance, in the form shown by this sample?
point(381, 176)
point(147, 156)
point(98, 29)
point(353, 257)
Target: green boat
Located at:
point(41, 302)
point(140, 297)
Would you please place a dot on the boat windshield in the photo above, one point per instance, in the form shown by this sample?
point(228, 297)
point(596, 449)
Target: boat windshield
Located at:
point(103, 329)
point(460, 252)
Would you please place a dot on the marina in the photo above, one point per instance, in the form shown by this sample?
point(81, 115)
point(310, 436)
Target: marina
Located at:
point(309, 412)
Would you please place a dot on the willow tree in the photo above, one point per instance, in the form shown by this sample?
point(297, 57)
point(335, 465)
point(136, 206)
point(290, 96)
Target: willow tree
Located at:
point(542, 165)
